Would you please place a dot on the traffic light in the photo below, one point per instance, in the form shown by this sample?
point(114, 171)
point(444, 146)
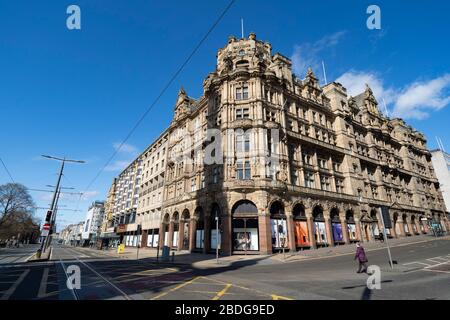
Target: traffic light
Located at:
point(48, 216)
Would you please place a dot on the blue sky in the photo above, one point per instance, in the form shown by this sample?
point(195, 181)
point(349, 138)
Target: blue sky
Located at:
point(77, 93)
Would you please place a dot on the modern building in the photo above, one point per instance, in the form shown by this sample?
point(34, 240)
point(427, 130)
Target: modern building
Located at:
point(441, 163)
point(93, 222)
point(71, 234)
point(151, 191)
point(123, 202)
point(264, 160)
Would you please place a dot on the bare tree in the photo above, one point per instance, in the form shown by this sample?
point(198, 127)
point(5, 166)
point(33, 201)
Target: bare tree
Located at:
point(16, 210)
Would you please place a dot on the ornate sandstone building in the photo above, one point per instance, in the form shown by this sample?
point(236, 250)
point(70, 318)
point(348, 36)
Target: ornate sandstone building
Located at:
point(295, 164)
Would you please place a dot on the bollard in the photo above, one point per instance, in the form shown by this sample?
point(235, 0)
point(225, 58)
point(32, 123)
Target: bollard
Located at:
point(38, 254)
point(173, 256)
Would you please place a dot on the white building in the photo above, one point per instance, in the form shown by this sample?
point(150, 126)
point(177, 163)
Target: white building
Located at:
point(93, 222)
point(441, 163)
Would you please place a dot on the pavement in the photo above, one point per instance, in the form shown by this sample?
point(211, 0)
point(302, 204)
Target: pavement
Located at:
point(328, 273)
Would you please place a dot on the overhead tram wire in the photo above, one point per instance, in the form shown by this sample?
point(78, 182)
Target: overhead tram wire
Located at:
point(169, 83)
point(7, 171)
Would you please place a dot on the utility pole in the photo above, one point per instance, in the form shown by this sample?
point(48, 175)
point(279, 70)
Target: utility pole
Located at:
point(45, 241)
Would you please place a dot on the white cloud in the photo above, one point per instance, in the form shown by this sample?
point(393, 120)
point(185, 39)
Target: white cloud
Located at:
point(414, 101)
point(355, 82)
point(89, 194)
point(421, 97)
point(307, 54)
point(117, 165)
point(125, 148)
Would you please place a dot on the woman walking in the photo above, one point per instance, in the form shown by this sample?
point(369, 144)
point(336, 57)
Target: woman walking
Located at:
point(362, 258)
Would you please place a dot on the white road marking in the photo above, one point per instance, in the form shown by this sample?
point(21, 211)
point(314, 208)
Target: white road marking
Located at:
point(13, 288)
point(417, 262)
point(425, 269)
point(43, 286)
point(439, 259)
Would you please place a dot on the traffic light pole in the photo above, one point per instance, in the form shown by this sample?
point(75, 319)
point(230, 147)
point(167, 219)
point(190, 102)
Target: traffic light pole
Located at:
point(44, 243)
point(386, 239)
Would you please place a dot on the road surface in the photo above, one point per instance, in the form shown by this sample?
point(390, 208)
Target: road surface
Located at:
point(424, 266)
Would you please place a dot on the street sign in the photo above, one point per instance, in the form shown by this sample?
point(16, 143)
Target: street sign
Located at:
point(45, 230)
point(386, 217)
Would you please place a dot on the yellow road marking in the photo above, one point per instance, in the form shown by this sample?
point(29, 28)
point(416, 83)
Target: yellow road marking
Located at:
point(277, 297)
point(274, 296)
point(221, 293)
point(175, 289)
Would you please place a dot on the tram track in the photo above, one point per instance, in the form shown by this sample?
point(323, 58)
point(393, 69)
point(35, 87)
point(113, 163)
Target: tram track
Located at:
point(97, 275)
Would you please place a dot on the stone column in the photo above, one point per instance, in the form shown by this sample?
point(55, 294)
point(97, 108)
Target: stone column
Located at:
point(226, 236)
point(345, 230)
point(171, 227)
point(310, 223)
point(192, 233)
point(144, 238)
point(358, 231)
point(370, 232)
point(162, 234)
point(329, 232)
point(417, 223)
point(180, 235)
point(410, 226)
point(265, 234)
point(291, 233)
point(425, 226)
point(393, 231)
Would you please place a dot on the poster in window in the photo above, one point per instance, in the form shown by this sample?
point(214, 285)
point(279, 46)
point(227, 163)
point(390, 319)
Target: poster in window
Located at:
point(337, 232)
point(166, 238)
point(320, 232)
point(199, 236)
point(155, 240)
point(150, 240)
point(245, 239)
point(175, 239)
point(279, 233)
point(375, 229)
point(301, 234)
point(351, 231)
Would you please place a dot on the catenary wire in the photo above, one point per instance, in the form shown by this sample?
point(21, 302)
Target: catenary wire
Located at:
point(169, 83)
